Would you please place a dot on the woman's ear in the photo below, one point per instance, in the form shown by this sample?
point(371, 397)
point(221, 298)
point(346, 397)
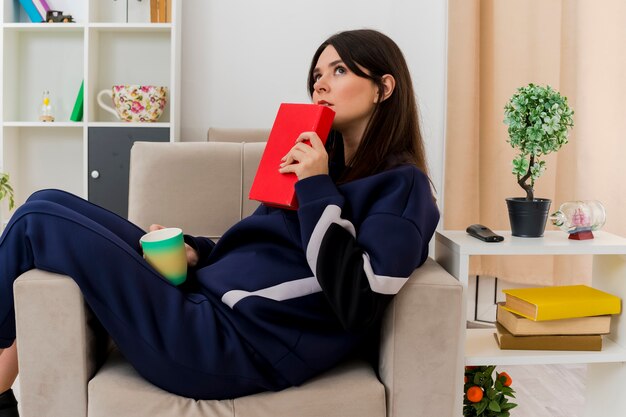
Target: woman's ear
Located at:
point(389, 84)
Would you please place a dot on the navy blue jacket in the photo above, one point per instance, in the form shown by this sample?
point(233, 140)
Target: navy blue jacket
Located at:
point(305, 287)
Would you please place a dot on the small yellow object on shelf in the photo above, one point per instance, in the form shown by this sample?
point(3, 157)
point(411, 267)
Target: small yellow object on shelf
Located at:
point(45, 114)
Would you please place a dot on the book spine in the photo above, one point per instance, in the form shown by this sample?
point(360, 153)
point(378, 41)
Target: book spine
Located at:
point(162, 11)
point(574, 342)
point(520, 326)
point(31, 11)
point(77, 112)
point(42, 8)
point(564, 311)
point(324, 123)
point(154, 11)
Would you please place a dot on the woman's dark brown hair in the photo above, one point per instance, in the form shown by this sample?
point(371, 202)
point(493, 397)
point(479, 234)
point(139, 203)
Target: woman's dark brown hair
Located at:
point(392, 135)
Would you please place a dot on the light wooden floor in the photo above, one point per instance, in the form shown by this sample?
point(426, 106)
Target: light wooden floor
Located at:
point(548, 390)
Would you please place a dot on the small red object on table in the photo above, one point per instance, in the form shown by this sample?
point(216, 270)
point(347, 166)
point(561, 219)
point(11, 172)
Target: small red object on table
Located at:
point(582, 235)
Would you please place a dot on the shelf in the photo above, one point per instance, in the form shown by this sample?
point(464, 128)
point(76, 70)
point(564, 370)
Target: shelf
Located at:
point(129, 124)
point(606, 373)
point(131, 27)
point(553, 243)
point(43, 124)
point(37, 60)
point(42, 27)
point(110, 43)
point(481, 348)
point(14, 12)
point(35, 158)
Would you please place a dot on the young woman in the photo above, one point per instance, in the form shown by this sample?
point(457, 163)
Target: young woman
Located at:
point(283, 295)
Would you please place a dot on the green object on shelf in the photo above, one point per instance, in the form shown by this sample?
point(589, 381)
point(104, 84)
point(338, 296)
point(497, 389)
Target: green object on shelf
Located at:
point(77, 112)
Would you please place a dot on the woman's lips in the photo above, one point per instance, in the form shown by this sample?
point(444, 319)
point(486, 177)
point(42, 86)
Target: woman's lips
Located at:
point(324, 103)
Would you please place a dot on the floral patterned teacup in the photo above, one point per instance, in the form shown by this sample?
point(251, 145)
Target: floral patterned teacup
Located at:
point(135, 103)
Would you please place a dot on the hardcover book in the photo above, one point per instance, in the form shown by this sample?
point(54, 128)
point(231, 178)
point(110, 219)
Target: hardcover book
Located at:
point(42, 7)
point(521, 326)
point(561, 302)
point(160, 11)
point(154, 11)
point(506, 341)
point(270, 186)
point(31, 11)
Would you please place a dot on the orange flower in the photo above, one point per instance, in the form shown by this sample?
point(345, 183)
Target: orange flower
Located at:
point(508, 380)
point(475, 394)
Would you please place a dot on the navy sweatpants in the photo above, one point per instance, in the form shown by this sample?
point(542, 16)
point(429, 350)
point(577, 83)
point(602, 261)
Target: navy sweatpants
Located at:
point(180, 341)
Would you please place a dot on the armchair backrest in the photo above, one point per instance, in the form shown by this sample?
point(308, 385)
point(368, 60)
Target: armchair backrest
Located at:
point(220, 134)
point(201, 187)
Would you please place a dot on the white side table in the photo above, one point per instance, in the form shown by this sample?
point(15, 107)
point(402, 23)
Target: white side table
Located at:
point(606, 375)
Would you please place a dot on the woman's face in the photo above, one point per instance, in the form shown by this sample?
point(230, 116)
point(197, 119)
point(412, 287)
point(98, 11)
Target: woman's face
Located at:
point(353, 98)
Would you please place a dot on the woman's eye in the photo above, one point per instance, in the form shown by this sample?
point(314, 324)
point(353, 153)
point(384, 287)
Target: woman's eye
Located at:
point(340, 70)
point(316, 77)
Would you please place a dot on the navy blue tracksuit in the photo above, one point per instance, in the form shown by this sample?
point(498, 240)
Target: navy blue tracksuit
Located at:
point(282, 296)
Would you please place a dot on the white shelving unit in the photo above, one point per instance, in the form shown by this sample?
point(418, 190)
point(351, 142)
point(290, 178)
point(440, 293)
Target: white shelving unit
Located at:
point(606, 374)
point(112, 42)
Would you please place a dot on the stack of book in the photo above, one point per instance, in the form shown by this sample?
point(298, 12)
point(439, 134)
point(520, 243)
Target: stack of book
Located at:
point(570, 317)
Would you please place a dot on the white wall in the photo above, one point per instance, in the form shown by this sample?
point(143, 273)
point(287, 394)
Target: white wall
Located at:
point(241, 59)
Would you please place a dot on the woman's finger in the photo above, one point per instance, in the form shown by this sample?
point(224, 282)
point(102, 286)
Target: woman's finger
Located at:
point(287, 159)
point(295, 154)
point(192, 255)
point(313, 140)
point(317, 144)
point(306, 136)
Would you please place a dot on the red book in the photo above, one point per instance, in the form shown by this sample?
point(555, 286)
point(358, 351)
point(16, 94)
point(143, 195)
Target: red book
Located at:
point(270, 186)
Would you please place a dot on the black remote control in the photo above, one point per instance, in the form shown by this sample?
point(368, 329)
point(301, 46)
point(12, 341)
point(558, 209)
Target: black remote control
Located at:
point(483, 233)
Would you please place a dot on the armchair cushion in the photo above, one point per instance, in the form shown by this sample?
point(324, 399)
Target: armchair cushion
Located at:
point(220, 134)
point(117, 390)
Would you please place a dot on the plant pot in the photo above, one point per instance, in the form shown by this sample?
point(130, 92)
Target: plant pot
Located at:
point(528, 218)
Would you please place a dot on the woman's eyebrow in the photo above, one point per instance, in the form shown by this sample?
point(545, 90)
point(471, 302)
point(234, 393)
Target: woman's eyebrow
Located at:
point(332, 64)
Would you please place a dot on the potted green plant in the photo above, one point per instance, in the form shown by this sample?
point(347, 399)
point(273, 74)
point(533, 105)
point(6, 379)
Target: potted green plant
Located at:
point(485, 396)
point(6, 191)
point(538, 120)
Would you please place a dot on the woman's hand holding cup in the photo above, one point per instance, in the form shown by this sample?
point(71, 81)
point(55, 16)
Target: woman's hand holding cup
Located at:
point(165, 250)
point(192, 255)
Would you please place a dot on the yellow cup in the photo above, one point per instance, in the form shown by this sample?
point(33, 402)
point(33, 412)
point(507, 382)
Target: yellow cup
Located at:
point(164, 249)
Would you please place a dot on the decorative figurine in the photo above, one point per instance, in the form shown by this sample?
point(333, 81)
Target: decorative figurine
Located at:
point(57, 16)
point(579, 218)
point(45, 115)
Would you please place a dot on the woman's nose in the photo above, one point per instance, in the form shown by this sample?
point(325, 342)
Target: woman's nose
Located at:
point(320, 85)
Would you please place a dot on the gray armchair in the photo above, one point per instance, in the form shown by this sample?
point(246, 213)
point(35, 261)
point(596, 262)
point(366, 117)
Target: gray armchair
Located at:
point(67, 368)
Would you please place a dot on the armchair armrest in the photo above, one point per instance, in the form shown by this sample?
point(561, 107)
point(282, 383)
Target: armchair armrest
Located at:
point(59, 344)
point(421, 353)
